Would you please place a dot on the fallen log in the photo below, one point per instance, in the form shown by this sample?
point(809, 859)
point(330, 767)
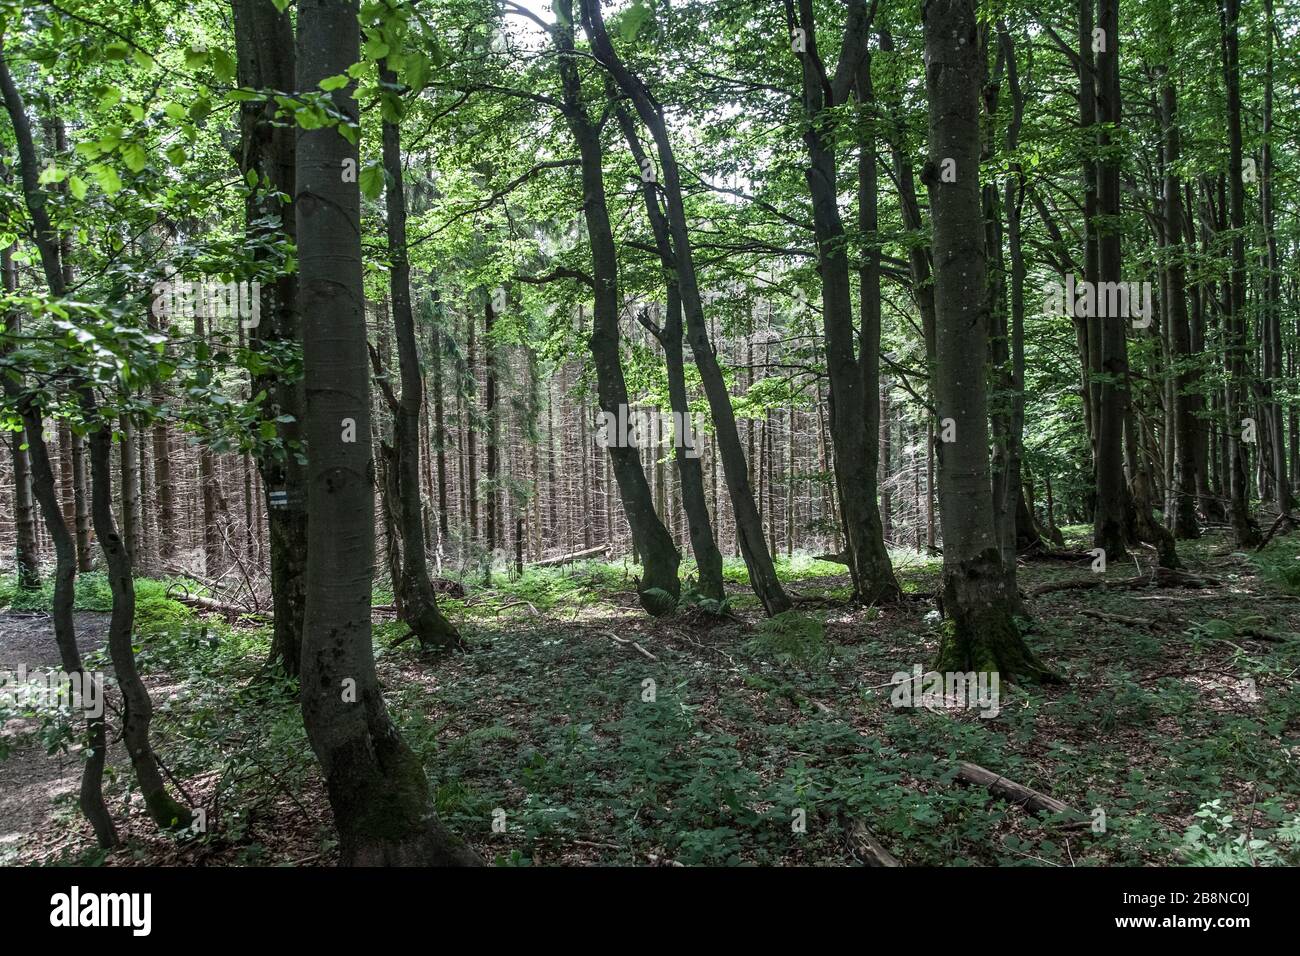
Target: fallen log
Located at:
point(600, 551)
point(1162, 578)
point(868, 849)
point(833, 558)
point(1120, 618)
point(1283, 519)
point(1011, 791)
point(212, 606)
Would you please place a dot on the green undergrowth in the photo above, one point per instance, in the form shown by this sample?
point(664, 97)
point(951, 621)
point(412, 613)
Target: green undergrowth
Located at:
point(753, 741)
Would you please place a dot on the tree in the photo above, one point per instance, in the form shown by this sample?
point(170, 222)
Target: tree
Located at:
point(854, 408)
point(264, 47)
point(376, 784)
point(419, 602)
point(749, 525)
point(981, 633)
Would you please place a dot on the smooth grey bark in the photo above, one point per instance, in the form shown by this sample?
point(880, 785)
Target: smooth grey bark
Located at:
point(708, 559)
point(1184, 402)
point(650, 539)
point(419, 601)
point(980, 633)
point(377, 787)
point(137, 705)
point(1271, 320)
point(749, 525)
point(853, 406)
point(1110, 356)
point(1244, 529)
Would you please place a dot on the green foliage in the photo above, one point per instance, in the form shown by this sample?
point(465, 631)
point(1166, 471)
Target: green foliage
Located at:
point(791, 638)
point(1280, 564)
point(1220, 839)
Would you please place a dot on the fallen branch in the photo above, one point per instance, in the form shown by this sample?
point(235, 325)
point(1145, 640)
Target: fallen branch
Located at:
point(1160, 578)
point(1012, 792)
point(1262, 635)
point(231, 611)
point(1120, 618)
point(1283, 518)
point(867, 848)
point(1055, 555)
point(601, 551)
point(833, 558)
point(624, 640)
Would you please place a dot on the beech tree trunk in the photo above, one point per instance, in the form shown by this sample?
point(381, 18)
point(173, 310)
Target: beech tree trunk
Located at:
point(264, 48)
point(980, 633)
point(749, 524)
point(377, 788)
point(708, 559)
point(1183, 493)
point(853, 406)
point(419, 601)
point(1244, 529)
point(1110, 362)
point(650, 539)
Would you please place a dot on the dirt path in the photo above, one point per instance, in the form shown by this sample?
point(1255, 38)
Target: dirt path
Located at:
point(30, 779)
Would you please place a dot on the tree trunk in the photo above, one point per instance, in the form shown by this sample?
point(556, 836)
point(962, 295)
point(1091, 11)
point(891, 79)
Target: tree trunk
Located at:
point(376, 785)
point(264, 46)
point(1271, 320)
point(419, 601)
point(981, 633)
point(749, 526)
point(1184, 421)
point(1244, 529)
point(137, 706)
point(1110, 519)
point(708, 559)
point(650, 538)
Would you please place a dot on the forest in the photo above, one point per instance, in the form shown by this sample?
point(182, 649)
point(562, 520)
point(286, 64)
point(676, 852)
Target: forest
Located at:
point(650, 433)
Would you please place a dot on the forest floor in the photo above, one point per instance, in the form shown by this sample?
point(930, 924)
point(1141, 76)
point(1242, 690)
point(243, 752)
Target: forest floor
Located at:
point(575, 730)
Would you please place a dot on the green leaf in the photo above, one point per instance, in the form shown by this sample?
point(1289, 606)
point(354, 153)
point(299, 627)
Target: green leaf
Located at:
point(134, 156)
point(416, 74)
point(336, 82)
point(176, 155)
point(223, 64)
point(78, 187)
point(107, 177)
point(390, 108)
point(52, 174)
point(372, 181)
